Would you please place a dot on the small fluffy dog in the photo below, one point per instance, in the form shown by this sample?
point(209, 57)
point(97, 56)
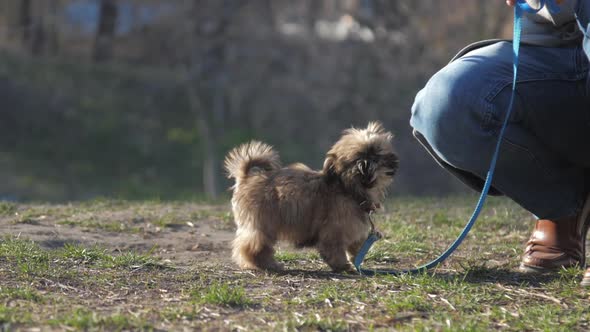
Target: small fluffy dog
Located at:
point(327, 209)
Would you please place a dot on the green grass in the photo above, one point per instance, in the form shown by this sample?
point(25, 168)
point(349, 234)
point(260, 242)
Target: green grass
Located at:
point(10, 315)
point(21, 250)
point(28, 217)
point(293, 256)
point(82, 255)
point(133, 260)
point(85, 319)
point(84, 285)
point(166, 222)
point(30, 259)
point(7, 208)
point(24, 293)
point(26, 256)
point(219, 293)
point(98, 257)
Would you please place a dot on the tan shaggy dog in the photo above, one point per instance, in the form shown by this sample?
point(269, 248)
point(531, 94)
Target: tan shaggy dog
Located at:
point(327, 209)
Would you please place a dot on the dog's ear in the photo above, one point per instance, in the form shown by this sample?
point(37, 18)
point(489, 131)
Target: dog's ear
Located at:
point(328, 168)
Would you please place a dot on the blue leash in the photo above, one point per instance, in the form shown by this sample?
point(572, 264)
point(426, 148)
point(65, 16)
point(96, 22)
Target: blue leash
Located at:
point(519, 9)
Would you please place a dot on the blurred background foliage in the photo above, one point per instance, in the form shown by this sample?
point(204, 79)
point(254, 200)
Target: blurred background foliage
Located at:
point(142, 99)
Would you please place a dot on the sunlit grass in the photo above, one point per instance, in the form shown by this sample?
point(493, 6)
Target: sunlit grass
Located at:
point(7, 208)
point(77, 286)
point(223, 294)
point(85, 319)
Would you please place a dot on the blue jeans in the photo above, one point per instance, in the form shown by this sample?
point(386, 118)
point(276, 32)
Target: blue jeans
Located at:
point(544, 159)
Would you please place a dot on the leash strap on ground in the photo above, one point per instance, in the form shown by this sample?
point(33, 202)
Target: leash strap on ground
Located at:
point(519, 9)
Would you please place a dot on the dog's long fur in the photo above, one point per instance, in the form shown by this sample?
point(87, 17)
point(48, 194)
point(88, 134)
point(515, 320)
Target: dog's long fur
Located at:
point(327, 209)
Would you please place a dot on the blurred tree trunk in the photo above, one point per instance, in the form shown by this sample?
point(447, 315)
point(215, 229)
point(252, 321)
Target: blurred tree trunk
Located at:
point(38, 38)
point(107, 24)
point(209, 136)
point(210, 80)
point(32, 27)
point(210, 130)
point(25, 22)
point(52, 29)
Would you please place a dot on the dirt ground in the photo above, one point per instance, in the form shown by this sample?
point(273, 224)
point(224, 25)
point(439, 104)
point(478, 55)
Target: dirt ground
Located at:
point(184, 235)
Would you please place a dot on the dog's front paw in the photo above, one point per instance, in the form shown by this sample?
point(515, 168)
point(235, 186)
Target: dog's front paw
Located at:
point(352, 271)
point(346, 269)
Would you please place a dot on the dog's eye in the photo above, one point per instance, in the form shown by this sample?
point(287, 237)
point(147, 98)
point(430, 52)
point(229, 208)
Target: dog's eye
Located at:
point(390, 173)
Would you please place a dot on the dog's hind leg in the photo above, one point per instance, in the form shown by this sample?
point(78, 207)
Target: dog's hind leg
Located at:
point(253, 250)
point(334, 254)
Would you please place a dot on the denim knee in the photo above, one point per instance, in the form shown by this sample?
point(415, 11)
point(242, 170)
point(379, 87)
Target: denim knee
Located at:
point(443, 113)
point(460, 110)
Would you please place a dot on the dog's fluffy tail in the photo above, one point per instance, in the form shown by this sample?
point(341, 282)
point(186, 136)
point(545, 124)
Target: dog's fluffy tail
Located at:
point(249, 158)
